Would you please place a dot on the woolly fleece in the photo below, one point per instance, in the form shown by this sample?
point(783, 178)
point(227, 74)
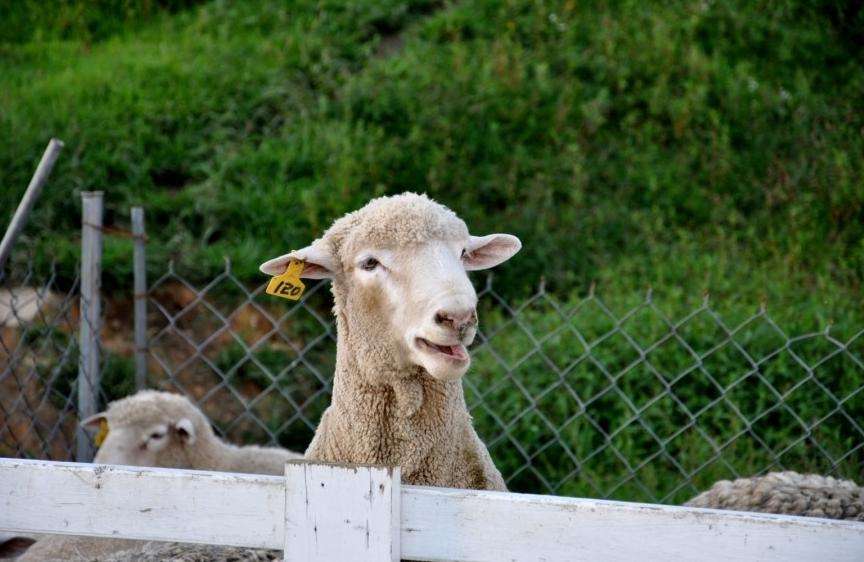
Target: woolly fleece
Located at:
point(789, 493)
point(382, 412)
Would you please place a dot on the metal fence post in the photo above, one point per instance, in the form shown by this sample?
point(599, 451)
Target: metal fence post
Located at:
point(91, 279)
point(140, 288)
point(29, 198)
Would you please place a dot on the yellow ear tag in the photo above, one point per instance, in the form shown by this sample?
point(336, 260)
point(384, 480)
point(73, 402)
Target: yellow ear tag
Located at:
point(103, 432)
point(288, 285)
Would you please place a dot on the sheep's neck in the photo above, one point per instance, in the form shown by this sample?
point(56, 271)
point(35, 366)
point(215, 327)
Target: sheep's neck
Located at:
point(382, 411)
point(369, 367)
point(402, 393)
point(211, 453)
point(401, 422)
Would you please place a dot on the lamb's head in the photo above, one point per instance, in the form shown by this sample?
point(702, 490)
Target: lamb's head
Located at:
point(150, 428)
point(399, 270)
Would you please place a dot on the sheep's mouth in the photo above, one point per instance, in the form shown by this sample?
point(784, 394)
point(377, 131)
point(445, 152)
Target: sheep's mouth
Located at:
point(453, 352)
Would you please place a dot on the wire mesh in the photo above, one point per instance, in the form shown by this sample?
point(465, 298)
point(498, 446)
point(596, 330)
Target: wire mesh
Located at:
point(571, 397)
point(38, 363)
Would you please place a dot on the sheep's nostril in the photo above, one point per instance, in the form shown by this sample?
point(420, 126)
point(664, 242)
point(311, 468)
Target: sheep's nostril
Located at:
point(459, 321)
point(466, 324)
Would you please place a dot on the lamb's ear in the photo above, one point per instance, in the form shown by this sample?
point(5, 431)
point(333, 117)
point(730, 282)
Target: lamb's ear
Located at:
point(94, 422)
point(319, 264)
point(185, 431)
point(484, 252)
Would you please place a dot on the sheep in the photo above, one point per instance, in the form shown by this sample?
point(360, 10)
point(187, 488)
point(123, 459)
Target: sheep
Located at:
point(154, 428)
point(405, 310)
point(790, 493)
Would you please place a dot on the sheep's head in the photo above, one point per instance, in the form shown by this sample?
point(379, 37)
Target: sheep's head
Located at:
point(399, 269)
point(150, 428)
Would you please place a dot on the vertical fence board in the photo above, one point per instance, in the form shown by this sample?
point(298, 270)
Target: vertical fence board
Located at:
point(91, 316)
point(335, 512)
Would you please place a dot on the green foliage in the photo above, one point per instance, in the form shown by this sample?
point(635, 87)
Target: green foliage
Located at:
point(608, 137)
point(690, 146)
point(645, 412)
point(117, 377)
point(85, 20)
point(272, 378)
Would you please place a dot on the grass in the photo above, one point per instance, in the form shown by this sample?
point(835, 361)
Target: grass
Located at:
point(693, 147)
point(608, 138)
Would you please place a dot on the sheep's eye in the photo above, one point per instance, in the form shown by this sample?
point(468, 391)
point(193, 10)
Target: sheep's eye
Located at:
point(157, 435)
point(464, 253)
point(369, 264)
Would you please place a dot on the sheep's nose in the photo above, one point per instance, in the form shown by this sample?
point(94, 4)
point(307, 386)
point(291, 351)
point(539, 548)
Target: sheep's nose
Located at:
point(459, 320)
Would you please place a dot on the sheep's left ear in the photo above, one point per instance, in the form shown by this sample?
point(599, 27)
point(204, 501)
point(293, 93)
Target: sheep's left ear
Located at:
point(484, 252)
point(185, 431)
point(318, 263)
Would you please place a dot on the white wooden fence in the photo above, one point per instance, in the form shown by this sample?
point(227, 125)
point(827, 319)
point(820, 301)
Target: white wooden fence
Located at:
point(332, 512)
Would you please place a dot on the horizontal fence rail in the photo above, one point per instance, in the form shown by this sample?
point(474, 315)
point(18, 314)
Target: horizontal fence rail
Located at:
point(322, 512)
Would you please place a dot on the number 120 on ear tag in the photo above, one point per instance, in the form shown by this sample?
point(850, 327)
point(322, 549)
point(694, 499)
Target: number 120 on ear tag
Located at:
point(288, 285)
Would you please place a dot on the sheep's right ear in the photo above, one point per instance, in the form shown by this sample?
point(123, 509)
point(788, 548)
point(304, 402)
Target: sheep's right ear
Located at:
point(94, 422)
point(185, 431)
point(318, 263)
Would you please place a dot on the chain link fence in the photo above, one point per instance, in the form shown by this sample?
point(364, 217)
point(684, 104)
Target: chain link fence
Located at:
point(572, 397)
point(38, 363)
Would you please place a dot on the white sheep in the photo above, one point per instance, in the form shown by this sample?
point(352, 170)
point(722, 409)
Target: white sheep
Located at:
point(790, 493)
point(405, 310)
point(154, 428)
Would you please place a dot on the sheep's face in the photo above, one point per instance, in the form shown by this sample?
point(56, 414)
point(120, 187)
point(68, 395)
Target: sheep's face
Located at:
point(400, 281)
point(422, 297)
point(144, 436)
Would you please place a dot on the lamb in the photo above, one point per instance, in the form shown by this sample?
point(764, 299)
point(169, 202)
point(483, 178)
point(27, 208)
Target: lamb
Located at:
point(153, 428)
point(405, 310)
point(790, 493)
